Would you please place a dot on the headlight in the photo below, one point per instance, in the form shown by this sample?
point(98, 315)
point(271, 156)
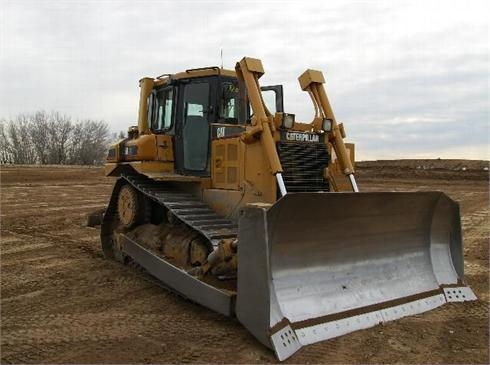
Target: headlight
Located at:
point(327, 125)
point(287, 121)
point(130, 150)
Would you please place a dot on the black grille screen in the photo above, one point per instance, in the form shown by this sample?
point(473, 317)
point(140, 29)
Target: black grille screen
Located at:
point(303, 165)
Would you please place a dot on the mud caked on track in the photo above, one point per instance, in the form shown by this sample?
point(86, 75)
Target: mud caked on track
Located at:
point(62, 302)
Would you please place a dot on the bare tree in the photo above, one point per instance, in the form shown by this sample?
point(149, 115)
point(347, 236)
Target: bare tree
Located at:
point(89, 142)
point(40, 135)
point(52, 139)
point(17, 144)
point(59, 133)
point(117, 136)
point(5, 147)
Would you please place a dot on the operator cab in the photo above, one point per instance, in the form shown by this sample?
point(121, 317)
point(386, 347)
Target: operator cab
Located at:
point(195, 110)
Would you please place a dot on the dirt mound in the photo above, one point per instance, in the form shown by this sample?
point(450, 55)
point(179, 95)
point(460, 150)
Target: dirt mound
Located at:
point(425, 169)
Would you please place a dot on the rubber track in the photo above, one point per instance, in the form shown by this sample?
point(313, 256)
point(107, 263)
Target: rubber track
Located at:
point(185, 206)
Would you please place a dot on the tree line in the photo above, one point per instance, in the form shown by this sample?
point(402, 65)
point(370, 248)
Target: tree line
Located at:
point(53, 138)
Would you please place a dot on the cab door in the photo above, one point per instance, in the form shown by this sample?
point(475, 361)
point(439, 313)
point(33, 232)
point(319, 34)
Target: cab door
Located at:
point(192, 129)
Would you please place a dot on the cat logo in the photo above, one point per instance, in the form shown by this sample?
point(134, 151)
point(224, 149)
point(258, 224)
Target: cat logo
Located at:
point(302, 137)
point(220, 132)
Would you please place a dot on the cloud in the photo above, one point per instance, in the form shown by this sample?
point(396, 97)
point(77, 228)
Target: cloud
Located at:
point(407, 78)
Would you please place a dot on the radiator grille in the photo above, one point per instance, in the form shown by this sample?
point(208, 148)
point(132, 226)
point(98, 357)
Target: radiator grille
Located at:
point(303, 165)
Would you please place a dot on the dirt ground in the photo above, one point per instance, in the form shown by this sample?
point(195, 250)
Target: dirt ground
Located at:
point(62, 302)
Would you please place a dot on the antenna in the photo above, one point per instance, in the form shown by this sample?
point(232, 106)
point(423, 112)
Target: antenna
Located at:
point(221, 57)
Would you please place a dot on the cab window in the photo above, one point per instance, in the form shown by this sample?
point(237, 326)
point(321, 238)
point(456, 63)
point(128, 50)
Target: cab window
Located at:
point(164, 110)
point(228, 108)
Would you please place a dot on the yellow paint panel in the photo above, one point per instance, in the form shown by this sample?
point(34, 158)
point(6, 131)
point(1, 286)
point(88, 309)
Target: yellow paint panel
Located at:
point(164, 147)
point(224, 163)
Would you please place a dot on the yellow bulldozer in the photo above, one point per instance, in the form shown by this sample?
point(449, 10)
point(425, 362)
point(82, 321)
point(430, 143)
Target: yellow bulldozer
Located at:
point(234, 204)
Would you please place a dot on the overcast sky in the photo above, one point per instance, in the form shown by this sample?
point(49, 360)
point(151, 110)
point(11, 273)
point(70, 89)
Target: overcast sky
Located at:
point(408, 79)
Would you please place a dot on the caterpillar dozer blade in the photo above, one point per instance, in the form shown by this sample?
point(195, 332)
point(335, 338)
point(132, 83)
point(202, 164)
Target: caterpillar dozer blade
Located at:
point(315, 266)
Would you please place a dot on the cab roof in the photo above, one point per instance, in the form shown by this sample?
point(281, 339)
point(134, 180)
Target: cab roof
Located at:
point(194, 73)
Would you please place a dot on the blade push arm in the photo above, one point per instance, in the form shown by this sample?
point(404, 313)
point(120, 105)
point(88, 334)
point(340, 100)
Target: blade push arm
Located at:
point(248, 71)
point(312, 82)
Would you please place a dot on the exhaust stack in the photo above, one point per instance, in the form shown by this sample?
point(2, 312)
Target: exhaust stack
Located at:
point(146, 85)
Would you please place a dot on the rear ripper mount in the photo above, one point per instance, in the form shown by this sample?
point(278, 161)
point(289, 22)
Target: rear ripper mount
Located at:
point(294, 286)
